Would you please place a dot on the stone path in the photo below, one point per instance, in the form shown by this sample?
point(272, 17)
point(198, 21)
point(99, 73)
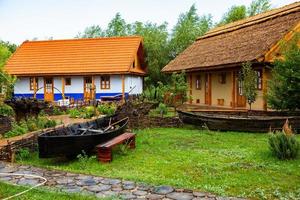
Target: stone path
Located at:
point(100, 186)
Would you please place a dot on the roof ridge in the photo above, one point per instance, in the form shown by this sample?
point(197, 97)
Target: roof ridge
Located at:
point(80, 39)
point(249, 21)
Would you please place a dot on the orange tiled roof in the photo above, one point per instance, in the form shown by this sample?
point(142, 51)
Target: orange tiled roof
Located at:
point(76, 56)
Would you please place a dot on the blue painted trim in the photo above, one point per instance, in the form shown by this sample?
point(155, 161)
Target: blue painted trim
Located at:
point(76, 96)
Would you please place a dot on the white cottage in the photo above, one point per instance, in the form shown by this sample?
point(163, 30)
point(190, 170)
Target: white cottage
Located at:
point(79, 69)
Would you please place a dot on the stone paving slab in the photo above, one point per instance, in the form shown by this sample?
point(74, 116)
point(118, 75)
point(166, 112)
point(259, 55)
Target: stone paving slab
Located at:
point(100, 186)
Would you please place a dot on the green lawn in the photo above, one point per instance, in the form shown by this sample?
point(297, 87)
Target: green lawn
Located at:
point(7, 190)
point(233, 164)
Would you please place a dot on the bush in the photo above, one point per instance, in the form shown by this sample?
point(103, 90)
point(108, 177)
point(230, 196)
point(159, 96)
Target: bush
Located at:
point(74, 113)
point(107, 109)
point(88, 112)
point(17, 129)
point(32, 124)
point(284, 146)
point(6, 110)
point(23, 154)
point(162, 109)
point(57, 111)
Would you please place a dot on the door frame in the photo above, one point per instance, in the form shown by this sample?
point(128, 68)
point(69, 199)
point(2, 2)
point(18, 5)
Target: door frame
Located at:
point(240, 99)
point(88, 96)
point(45, 89)
point(207, 88)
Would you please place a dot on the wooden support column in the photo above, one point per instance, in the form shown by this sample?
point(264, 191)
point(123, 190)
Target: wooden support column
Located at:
point(63, 87)
point(123, 88)
point(93, 89)
point(233, 89)
point(191, 88)
point(264, 88)
point(34, 88)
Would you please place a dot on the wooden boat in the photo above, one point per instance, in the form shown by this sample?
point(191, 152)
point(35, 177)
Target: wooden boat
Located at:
point(72, 140)
point(231, 122)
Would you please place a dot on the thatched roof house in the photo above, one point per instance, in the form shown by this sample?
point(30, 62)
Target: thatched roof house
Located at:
point(255, 39)
point(245, 40)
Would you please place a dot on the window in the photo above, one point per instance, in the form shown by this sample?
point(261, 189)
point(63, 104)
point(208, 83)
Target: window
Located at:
point(258, 79)
point(222, 78)
point(198, 82)
point(67, 81)
point(105, 82)
point(31, 80)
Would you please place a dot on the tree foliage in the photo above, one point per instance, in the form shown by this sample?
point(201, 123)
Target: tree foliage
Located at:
point(235, 13)
point(93, 31)
point(249, 83)
point(118, 27)
point(284, 87)
point(258, 6)
point(239, 12)
point(189, 26)
point(6, 80)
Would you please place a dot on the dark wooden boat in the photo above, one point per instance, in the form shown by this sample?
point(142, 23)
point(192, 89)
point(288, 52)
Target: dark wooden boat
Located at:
point(230, 122)
point(72, 140)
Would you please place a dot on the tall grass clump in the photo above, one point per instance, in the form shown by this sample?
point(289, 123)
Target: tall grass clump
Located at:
point(284, 146)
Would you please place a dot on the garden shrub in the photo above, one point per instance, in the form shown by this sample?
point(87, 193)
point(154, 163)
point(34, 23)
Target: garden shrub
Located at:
point(31, 124)
point(162, 109)
point(107, 109)
point(6, 110)
point(74, 113)
point(23, 154)
point(88, 112)
point(284, 146)
point(57, 111)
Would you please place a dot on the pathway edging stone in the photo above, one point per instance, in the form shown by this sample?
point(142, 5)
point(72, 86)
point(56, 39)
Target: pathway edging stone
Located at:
point(100, 186)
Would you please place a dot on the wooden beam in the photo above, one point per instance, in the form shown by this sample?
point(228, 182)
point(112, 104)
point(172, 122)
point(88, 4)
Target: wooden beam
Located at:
point(264, 88)
point(34, 88)
point(63, 87)
point(93, 89)
point(123, 88)
point(233, 89)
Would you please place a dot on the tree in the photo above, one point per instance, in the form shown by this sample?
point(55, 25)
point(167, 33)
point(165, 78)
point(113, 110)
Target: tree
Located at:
point(235, 13)
point(6, 81)
point(284, 87)
point(93, 31)
point(188, 28)
point(249, 83)
point(155, 38)
point(11, 47)
point(258, 6)
point(118, 27)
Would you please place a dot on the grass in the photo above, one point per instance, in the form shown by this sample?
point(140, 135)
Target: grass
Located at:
point(231, 164)
point(7, 190)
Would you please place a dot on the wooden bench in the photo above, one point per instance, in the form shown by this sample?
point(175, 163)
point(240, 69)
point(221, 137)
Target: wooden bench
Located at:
point(105, 150)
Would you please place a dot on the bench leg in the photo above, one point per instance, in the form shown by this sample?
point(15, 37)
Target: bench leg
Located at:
point(132, 143)
point(105, 155)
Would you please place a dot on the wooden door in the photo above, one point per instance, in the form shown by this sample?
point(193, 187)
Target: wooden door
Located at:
point(208, 89)
point(48, 89)
point(240, 98)
point(88, 88)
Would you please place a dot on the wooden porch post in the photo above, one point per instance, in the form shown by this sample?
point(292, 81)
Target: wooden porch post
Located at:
point(123, 88)
point(93, 89)
point(63, 87)
point(233, 89)
point(264, 88)
point(191, 88)
point(34, 88)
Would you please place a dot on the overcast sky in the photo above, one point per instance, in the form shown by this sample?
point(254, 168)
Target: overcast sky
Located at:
point(25, 19)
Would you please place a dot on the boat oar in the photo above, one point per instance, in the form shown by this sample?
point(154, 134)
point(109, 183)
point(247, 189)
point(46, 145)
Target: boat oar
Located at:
point(85, 130)
point(110, 126)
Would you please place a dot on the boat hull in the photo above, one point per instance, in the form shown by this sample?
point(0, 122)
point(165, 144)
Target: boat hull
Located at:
point(222, 122)
point(72, 145)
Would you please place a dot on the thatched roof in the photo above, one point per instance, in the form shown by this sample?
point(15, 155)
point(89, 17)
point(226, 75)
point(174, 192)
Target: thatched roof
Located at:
point(232, 44)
